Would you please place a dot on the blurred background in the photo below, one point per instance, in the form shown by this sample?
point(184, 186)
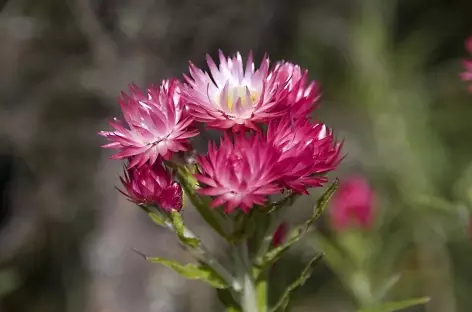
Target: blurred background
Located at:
point(389, 72)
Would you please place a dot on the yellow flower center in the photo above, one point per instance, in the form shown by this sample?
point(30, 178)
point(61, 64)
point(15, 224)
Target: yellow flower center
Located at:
point(236, 93)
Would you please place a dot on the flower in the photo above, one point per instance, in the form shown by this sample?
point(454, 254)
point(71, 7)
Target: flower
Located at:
point(279, 235)
point(308, 151)
point(158, 124)
point(152, 185)
point(240, 173)
point(352, 205)
point(233, 97)
point(467, 75)
point(301, 99)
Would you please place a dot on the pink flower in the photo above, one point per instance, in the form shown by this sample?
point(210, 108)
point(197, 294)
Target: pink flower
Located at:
point(158, 124)
point(352, 205)
point(308, 152)
point(240, 173)
point(152, 185)
point(280, 234)
point(467, 74)
point(301, 99)
point(234, 97)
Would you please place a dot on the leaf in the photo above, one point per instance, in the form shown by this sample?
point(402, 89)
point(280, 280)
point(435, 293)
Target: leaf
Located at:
point(286, 201)
point(156, 217)
point(193, 271)
point(189, 185)
point(272, 255)
point(283, 302)
point(227, 299)
point(178, 225)
point(396, 306)
point(385, 288)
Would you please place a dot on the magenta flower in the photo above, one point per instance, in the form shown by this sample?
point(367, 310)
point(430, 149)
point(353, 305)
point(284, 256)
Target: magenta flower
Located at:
point(233, 96)
point(152, 185)
point(280, 234)
point(352, 205)
point(301, 99)
point(158, 124)
point(240, 173)
point(467, 74)
point(308, 152)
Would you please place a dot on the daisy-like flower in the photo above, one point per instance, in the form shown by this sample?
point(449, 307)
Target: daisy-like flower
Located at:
point(157, 124)
point(152, 185)
point(467, 74)
point(308, 151)
point(301, 99)
point(233, 96)
point(240, 173)
point(353, 205)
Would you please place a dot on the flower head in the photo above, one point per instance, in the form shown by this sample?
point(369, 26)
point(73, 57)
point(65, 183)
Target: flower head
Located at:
point(240, 173)
point(152, 185)
point(233, 96)
point(352, 205)
point(158, 124)
point(467, 74)
point(301, 98)
point(308, 151)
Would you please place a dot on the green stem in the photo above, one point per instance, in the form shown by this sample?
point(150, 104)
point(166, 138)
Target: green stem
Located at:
point(261, 290)
point(203, 254)
point(249, 302)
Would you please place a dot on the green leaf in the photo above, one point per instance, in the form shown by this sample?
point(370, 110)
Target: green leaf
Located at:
point(227, 299)
point(193, 271)
point(178, 225)
point(202, 204)
point(283, 302)
point(396, 306)
point(272, 255)
point(286, 201)
point(156, 217)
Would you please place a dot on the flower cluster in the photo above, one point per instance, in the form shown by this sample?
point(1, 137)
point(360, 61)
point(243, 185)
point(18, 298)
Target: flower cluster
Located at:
point(467, 74)
point(269, 145)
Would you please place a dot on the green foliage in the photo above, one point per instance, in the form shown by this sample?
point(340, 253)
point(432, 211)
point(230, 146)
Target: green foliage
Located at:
point(202, 204)
point(272, 255)
point(396, 306)
point(283, 302)
point(193, 271)
point(178, 225)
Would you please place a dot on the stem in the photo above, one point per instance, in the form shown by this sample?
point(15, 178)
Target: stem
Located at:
point(203, 254)
point(249, 302)
point(261, 289)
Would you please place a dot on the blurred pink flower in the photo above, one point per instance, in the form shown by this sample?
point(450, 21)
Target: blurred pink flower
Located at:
point(152, 185)
point(158, 124)
point(280, 234)
point(467, 74)
point(352, 205)
point(240, 173)
point(308, 152)
point(233, 96)
point(301, 99)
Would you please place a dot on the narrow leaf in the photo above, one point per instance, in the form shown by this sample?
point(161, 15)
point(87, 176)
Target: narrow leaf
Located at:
point(272, 255)
point(193, 271)
point(178, 225)
point(155, 216)
point(227, 299)
point(283, 302)
point(396, 306)
point(189, 185)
